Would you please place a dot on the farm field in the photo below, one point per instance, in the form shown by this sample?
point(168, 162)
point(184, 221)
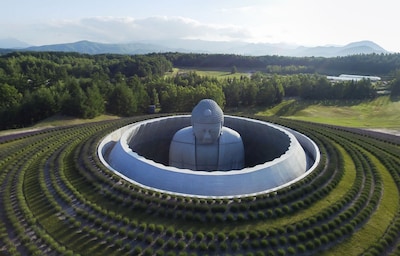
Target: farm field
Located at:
point(59, 199)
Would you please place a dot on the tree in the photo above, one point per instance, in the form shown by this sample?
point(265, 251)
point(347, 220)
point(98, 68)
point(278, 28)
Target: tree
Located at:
point(211, 91)
point(94, 104)
point(250, 92)
point(233, 92)
point(37, 105)
point(168, 98)
point(154, 99)
point(10, 100)
point(122, 101)
point(279, 90)
point(74, 104)
point(292, 86)
point(9, 97)
point(266, 94)
point(141, 95)
point(395, 85)
point(233, 70)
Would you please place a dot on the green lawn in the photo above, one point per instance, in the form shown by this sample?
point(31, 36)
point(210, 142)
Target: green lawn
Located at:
point(381, 112)
point(219, 74)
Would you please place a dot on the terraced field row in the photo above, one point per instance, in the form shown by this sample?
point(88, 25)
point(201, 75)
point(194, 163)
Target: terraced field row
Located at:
point(57, 198)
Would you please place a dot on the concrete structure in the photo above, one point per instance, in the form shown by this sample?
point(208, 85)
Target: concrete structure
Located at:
point(275, 157)
point(207, 145)
point(356, 78)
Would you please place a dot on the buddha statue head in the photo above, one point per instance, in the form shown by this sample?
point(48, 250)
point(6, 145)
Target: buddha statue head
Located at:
point(207, 120)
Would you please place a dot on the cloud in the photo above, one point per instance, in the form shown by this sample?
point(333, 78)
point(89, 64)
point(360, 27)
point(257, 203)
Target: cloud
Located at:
point(127, 29)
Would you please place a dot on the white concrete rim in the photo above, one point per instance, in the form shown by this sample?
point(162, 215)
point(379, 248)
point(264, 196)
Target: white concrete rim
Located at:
point(287, 131)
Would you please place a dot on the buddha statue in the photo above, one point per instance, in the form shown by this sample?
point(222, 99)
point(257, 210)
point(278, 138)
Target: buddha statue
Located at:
point(207, 145)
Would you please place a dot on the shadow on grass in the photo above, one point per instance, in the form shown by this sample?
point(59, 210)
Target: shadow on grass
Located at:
point(292, 108)
point(298, 105)
point(241, 110)
point(394, 98)
point(339, 103)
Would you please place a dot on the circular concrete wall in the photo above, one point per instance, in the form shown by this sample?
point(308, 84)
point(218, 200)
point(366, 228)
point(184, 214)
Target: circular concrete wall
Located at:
point(274, 156)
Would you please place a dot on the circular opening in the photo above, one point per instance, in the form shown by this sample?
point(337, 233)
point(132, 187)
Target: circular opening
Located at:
point(262, 143)
point(275, 158)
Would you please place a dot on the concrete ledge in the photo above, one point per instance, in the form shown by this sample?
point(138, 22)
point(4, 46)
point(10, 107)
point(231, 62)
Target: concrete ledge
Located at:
point(275, 157)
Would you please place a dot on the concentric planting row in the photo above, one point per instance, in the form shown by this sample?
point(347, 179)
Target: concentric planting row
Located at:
point(57, 198)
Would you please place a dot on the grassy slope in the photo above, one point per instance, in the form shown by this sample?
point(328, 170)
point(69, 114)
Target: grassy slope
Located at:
point(377, 224)
point(340, 191)
point(57, 121)
point(381, 112)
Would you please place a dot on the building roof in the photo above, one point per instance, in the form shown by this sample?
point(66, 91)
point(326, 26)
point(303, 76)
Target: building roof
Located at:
point(346, 77)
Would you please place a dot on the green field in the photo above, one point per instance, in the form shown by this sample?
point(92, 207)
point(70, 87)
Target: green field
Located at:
point(381, 112)
point(219, 74)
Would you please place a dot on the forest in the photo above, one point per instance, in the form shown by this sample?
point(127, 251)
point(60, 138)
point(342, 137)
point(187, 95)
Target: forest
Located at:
point(37, 85)
point(362, 64)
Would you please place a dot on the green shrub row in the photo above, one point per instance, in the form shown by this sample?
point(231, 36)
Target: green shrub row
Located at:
point(55, 178)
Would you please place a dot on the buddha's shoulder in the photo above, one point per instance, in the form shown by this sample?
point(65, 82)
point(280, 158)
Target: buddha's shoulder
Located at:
point(229, 135)
point(184, 135)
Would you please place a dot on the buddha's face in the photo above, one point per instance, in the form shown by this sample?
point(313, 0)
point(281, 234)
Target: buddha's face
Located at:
point(207, 133)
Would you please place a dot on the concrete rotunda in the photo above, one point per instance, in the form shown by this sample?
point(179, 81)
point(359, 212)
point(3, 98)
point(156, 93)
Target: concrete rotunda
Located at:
point(274, 157)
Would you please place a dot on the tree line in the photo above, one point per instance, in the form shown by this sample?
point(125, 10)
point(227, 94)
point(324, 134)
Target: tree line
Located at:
point(362, 64)
point(34, 86)
point(37, 85)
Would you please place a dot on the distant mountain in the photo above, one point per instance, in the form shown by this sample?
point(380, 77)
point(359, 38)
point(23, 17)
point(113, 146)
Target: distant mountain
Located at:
point(362, 47)
point(99, 48)
point(12, 43)
point(200, 46)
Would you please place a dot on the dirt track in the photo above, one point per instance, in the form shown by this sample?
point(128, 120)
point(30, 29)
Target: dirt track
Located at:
point(388, 131)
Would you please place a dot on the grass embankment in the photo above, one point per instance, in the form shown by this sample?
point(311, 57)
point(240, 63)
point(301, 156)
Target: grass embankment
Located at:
point(91, 214)
point(340, 191)
point(378, 223)
point(381, 112)
point(58, 121)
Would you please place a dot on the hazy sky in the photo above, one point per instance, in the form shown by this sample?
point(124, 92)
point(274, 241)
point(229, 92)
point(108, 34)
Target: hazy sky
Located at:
point(300, 22)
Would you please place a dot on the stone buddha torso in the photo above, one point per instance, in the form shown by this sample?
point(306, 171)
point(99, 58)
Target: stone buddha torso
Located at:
point(207, 145)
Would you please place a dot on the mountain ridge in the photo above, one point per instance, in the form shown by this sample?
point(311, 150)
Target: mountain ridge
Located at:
point(210, 47)
point(6, 43)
